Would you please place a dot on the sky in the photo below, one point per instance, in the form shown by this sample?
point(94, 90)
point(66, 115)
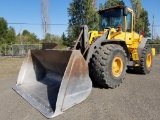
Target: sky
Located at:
point(29, 11)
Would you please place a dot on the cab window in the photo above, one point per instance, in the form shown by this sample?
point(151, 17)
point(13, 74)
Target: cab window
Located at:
point(129, 21)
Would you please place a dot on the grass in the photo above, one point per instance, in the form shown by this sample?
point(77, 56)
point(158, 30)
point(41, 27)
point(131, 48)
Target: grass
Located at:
point(10, 66)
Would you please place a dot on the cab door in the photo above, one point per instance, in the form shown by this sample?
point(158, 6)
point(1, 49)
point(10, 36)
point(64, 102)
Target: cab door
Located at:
point(129, 28)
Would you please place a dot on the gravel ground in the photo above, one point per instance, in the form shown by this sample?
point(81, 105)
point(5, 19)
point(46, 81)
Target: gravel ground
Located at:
point(137, 98)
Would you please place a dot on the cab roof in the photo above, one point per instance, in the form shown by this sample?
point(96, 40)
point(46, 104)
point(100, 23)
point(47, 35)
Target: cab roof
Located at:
point(119, 6)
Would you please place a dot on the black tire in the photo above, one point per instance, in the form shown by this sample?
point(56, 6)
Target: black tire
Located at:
point(101, 65)
point(145, 67)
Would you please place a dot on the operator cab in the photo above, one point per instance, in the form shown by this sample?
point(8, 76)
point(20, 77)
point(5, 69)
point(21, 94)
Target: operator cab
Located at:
point(115, 17)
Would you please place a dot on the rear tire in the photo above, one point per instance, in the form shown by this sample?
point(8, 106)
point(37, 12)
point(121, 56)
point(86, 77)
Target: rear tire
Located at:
point(108, 65)
point(146, 61)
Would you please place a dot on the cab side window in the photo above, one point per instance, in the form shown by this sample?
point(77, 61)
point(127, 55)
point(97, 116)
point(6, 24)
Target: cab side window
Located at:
point(129, 20)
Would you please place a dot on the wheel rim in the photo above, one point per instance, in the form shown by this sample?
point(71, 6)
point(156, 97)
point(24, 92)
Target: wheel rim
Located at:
point(117, 66)
point(149, 60)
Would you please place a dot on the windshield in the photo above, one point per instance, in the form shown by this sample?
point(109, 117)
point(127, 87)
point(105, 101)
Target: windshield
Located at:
point(111, 18)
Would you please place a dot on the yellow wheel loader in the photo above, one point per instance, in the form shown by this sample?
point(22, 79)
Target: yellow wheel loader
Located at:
point(54, 80)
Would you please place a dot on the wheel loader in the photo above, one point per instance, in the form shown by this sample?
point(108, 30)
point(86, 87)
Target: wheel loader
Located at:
point(55, 80)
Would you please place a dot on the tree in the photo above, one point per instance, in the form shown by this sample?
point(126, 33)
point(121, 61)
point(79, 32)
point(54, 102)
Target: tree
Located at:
point(25, 32)
point(57, 39)
point(101, 6)
point(53, 38)
point(48, 37)
point(32, 39)
point(7, 35)
point(3, 29)
point(27, 38)
point(11, 36)
point(111, 3)
point(141, 18)
point(81, 12)
point(142, 24)
point(64, 39)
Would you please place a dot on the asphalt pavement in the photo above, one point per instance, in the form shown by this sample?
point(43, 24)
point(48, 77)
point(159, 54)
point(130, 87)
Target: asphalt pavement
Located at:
point(137, 98)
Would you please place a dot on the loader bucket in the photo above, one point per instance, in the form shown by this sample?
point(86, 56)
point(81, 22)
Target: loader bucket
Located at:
point(53, 80)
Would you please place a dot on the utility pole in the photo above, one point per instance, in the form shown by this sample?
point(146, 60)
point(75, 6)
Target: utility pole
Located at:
point(45, 16)
point(152, 26)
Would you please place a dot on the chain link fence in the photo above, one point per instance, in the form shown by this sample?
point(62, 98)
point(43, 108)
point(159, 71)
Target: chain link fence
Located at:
point(157, 48)
point(21, 50)
point(16, 50)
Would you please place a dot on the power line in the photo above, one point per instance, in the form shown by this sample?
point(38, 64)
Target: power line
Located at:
point(35, 24)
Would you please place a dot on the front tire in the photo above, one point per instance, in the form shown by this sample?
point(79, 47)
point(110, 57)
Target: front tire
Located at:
point(108, 65)
point(146, 61)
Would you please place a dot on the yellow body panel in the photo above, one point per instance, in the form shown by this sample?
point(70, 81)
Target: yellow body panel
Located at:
point(131, 38)
point(132, 43)
point(153, 51)
point(93, 36)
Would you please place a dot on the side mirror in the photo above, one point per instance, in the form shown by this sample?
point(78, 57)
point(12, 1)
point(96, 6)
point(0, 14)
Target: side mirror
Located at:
point(125, 11)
